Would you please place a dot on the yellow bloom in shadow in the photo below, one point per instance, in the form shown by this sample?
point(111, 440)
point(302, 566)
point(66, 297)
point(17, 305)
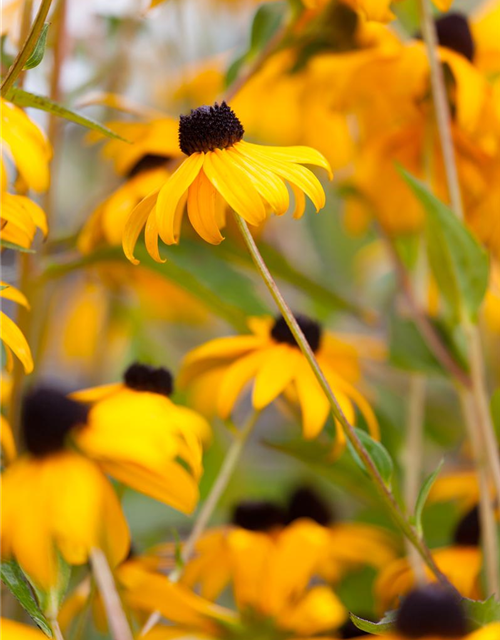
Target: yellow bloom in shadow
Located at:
point(26, 145)
point(140, 437)
point(68, 505)
point(222, 167)
point(10, 334)
point(11, 630)
point(270, 358)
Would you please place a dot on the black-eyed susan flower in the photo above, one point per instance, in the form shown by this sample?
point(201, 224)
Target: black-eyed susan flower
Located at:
point(347, 546)
point(435, 612)
point(68, 505)
point(140, 437)
point(461, 563)
point(12, 630)
point(10, 334)
point(222, 167)
point(271, 586)
point(26, 145)
point(270, 359)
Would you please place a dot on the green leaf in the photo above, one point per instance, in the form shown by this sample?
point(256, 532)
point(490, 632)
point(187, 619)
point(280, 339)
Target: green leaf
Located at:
point(14, 579)
point(378, 453)
point(38, 52)
point(495, 411)
point(377, 628)
point(408, 350)
point(25, 99)
point(423, 495)
point(481, 612)
point(266, 22)
point(50, 601)
point(458, 261)
point(15, 247)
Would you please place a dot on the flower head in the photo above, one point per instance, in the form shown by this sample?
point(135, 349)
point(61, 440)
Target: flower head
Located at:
point(139, 436)
point(68, 505)
point(222, 167)
point(270, 358)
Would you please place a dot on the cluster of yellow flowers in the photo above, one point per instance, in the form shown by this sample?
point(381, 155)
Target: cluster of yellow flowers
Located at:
point(343, 92)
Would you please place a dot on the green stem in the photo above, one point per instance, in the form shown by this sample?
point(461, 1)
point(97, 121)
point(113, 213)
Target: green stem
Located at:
point(383, 491)
point(27, 48)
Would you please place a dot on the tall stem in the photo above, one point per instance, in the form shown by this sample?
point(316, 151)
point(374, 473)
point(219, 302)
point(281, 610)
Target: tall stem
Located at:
point(117, 619)
point(27, 48)
point(219, 486)
point(384, 492)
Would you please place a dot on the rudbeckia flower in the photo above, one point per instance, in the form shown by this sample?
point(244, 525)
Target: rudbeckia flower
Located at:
point(270, 358)
point(221, 166)
point(10, 334)
point(460, 562)
point(26, 145)
point(140, 437)
point(68, 505)
point(11, 630)
point(271, 587)
point(346, 546)
point(20, 217)
point(436, 612)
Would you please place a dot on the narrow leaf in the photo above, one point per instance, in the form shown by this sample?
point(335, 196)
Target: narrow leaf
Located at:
point(4, 244)
point(39, 51)
point(423, 495)
point(25, 99)
point(377, 628)
point(458, 261)
point(378, 453)
point(14, 579)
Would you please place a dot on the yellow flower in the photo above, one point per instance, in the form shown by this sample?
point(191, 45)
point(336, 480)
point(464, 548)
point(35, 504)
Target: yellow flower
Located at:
point(19, 219)
point(68, 505)
point(270, 357)
point(139, 436)
point(271, 586)
point(11, 336)
point(222, 167)
point(26, 145)
point(7, 442)
point(344, 546)
point(11, 630)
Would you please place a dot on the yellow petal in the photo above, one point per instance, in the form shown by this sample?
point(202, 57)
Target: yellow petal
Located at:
point(94, 394)
point(11, 630)
point(235, 186)
point(296, 154)
point(11, 293)
point(235, 378)
point(300, 202)
point(320, 610)
point(134, 225)
point(12, 336)
point(151, 237)
point(7, 442)
point(314, 404)
point(172, 192)
point(201, 206)
point(275, 374)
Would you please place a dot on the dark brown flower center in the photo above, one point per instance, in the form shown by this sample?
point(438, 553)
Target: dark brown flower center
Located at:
point(310, 328)
point(468, 530)
point(142, 377)
point(258, 516)
point(209, 128)
point(431, 611)
point(47, 418)
point(306, 503)
point(146, 163)
point(453, 32)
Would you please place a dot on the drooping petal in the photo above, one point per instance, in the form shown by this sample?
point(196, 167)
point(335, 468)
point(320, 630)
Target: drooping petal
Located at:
point(15, 340)
point(134, 225)
point(11, 293)
point(235, 186)
point(235, 379)
point(201, 206)
point(296, 154)
point(275, 374)
point(313, 402)
point(151, 238)
point(320, 610)
point(300, 202)
point(171, 193)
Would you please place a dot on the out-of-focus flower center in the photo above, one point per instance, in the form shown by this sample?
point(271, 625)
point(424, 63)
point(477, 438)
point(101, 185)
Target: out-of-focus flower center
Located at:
point(432, 611)
point(468, 530)
point(142, 377)
point(147, 162)
point(306, 503)
point(209, 128)
point(258, 516)
point(453, 32)
point(47, 418)
point(310, 328)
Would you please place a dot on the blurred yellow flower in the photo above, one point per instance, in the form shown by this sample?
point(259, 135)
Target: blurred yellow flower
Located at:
point(68, 505)
point(10, 334)
point(222, 167)
point(165, 462)
point(7, 443)
point(270, 357)
point(11, 630)
point(26, 145)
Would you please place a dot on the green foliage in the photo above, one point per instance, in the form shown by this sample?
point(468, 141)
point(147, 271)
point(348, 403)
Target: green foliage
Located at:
point(14, 579)
point(408, 350)
point(459, 263)
point(386, 625)
point(4, 244)
point(423, 495)
point(378, 453)
point(495, 410)
point(481, 612)
point(39, 51)
point(23, 99)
